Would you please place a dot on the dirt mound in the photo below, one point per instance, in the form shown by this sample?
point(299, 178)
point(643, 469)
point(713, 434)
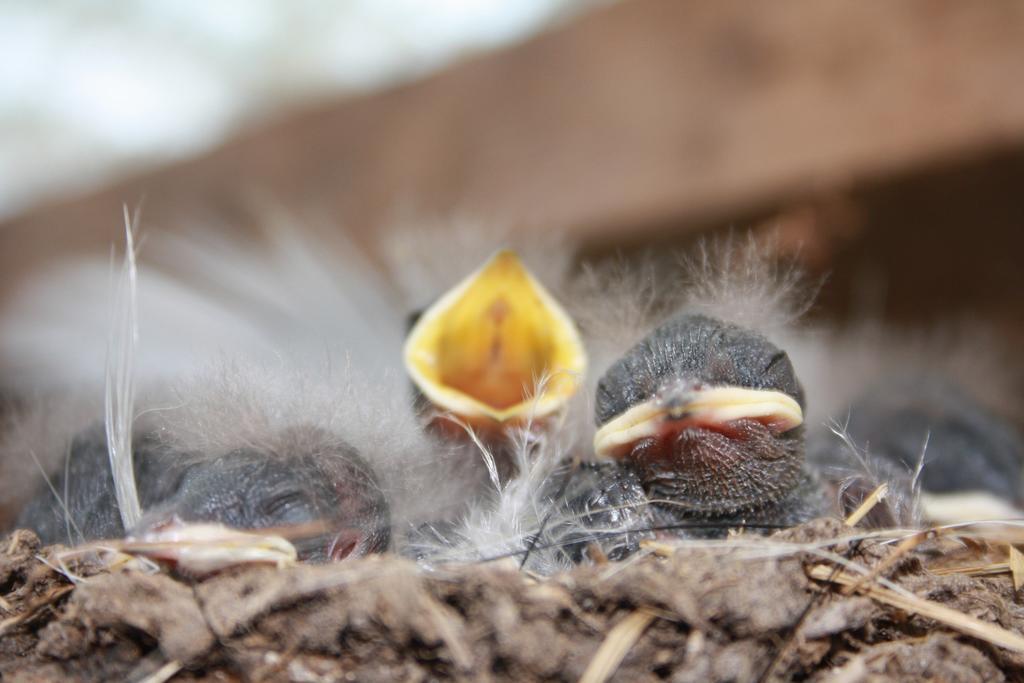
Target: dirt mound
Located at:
point(733, 611)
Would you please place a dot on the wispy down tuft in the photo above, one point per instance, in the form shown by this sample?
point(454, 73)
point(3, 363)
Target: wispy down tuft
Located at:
point(120, 382)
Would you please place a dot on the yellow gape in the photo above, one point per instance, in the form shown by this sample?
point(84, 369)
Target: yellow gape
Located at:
point(483, 348)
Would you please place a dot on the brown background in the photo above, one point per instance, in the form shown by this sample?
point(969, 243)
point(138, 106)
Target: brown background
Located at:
point(885, 138)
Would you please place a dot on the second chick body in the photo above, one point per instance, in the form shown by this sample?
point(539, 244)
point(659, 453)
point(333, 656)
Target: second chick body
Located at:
point(328, 486)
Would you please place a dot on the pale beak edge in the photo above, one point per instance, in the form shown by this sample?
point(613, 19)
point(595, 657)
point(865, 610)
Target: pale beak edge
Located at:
point(203, 548)
point(718, 405)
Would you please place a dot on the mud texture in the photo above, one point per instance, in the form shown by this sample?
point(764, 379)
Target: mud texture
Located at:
point(713, 617)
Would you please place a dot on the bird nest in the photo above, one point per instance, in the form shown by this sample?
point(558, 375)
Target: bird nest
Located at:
point(822, 601)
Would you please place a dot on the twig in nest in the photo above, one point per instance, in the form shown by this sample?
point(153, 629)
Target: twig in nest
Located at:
point(34, 608)
point(992, 569)
point(868, 505)
point(905, 546)
point(1016, 563)
point(615, 646)
point(958, 621)
point(1013, 566)
point(816, 600)
point(659, 548)
point(164, 673)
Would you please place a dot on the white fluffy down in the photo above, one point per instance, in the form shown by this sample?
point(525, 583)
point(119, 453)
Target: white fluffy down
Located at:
point(239, 341)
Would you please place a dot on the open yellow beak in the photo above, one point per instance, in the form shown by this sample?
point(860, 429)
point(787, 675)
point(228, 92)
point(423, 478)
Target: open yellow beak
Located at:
point(714, 406)
point(496, 346)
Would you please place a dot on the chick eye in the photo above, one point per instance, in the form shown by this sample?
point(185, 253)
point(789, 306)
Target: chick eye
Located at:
point(280, 504)
point(775, 360)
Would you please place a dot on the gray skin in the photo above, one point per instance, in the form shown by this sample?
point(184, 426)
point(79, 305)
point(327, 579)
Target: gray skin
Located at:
point(609, 509)
point(969, 448)
point(705, 480)
point(323, 481)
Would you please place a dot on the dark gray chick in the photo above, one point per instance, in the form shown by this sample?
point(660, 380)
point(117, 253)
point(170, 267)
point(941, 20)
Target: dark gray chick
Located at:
point(317, 483)
point(971, 460)
point(708, 416)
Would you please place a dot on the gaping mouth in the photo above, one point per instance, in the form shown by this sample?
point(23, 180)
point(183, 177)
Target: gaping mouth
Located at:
point(496, 346)
point(713, 408)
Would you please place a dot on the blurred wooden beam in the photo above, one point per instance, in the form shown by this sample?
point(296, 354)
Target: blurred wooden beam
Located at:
point(650, 113)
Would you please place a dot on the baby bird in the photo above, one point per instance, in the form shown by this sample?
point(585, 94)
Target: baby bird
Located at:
point(926, 434)
point(310, 482)
point(293, 421)
point(695, 428)
point(709, 417)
